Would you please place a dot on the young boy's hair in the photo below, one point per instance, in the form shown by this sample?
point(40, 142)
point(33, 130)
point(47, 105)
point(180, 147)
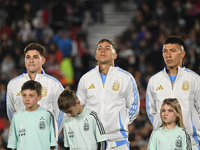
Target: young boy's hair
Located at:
point(32, 85)
point(35, 46)
point(67, 99)
point(176, 107)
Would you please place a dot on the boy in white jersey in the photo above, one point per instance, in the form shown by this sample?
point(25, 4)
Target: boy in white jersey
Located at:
point(172, 134)
point(33, 127)
point(82, 128)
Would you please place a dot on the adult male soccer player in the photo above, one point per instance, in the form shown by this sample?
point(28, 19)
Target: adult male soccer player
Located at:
point(51, 87)
point(112, 93)
point(175, 81)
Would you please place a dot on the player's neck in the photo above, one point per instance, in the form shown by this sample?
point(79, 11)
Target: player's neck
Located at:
point(104, 68)
point(33, 75)
point(172, 71)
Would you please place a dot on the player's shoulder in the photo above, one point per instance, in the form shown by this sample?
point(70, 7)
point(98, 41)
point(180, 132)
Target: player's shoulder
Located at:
point(17, 79)
point(191, 73)
point(51, 78)
point(89, 73)
point(157, 75)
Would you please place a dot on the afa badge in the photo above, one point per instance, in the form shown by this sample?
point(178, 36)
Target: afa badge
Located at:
point(185, 85)
point(44, 91)
point(115, 86)
point(86, 125)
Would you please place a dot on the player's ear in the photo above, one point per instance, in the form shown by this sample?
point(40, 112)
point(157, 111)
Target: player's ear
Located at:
point(39, 97)
point(43, 60)
point(182, 54)
point(78, 102)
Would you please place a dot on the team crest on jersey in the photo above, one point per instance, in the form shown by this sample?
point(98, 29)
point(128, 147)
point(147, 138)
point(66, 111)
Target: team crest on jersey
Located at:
point(86, 125)
point(115, 86)
point(185, 85)
point(42, 124)
point(178, 142)
point(44, 91)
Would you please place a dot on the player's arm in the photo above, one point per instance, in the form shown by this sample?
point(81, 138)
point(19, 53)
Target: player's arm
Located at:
point(150, 102)
point(57, 112)
point(81, 92)
point(9, 103)
point(197, 95)
point(186, 141)
point(132, 99)
point(101, 145)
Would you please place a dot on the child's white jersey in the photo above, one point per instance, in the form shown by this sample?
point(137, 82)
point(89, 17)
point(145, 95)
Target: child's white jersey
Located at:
point(51, 89)
point(187, 91)
point(84, 131)
point(33, 130)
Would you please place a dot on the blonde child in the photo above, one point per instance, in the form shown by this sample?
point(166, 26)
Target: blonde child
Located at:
point(172, 134)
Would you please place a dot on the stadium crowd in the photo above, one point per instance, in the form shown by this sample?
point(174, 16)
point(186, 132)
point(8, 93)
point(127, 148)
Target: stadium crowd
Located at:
point(60, 26)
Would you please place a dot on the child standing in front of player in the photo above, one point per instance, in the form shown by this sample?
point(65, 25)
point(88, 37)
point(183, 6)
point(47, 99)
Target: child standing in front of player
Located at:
point(172, 134)
point(82, 128)
point(33, 127)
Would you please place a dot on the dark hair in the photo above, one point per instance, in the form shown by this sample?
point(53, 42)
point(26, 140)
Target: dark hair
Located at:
point(174, 40)
point(67, 99)
point(109, 41)
point(32, 85)
point(35, 46)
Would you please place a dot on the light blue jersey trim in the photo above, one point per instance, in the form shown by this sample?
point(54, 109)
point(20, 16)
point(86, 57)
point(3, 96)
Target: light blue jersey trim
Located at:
point(188, 70)
point(48, 76)
point(135, 92)
point(61, 114)
point(194, 131)
point(122, 128)
point(151, 118)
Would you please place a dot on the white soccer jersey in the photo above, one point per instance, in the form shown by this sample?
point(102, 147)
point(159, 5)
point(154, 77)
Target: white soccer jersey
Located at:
point(187, 91)
point(117, 103)
point(84, 131)
point(32, 130)
point(51, 89)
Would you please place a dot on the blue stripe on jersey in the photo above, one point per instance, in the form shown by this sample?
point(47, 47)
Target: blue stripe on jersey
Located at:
point(48, 76)
point(61, 114)
point(122, 128)
point(188, 70)
point(151, 118)
point(135, 92)
point(194, 131)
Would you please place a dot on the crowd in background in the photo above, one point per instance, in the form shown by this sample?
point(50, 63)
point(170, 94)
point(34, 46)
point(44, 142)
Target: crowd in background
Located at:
point(60, 26)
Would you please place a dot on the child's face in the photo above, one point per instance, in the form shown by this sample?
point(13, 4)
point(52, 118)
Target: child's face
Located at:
point(30, 99)
point(73, 111)
point(168, 115)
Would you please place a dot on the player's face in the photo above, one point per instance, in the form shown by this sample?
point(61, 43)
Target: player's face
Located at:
point(168, 115)
point(34, 61)
point(105, 53)
point(30, 99)
point(173, 55)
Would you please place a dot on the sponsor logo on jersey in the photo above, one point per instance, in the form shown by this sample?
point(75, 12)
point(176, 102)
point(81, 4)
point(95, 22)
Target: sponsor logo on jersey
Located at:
point(22, 131)
point(86, 125)
point(91, 86)
point(19, 93)
point(42, 124)
point(185, 85)
point(44, 91)
point(160, 88)
point(71, 133)
point(116, 86)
